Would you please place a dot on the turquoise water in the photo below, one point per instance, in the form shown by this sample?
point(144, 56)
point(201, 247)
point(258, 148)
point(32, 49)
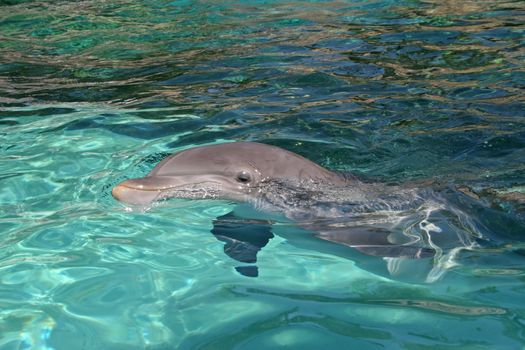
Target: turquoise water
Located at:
point(95, 92)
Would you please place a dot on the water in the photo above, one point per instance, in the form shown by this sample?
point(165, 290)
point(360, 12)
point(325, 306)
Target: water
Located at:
point(94, 92)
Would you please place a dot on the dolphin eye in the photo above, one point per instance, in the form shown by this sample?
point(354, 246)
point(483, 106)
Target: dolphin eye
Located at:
point(243, 177)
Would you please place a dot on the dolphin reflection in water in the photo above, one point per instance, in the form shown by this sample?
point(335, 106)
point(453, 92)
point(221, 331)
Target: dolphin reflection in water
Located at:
point(411, 231)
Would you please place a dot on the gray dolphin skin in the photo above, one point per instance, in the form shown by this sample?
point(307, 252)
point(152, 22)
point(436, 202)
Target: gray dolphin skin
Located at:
point(374, 219)
point(232, 171)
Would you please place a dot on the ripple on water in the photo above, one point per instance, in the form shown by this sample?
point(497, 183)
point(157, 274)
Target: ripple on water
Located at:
point(36, 325)
point(27, 186)
point(95, 92)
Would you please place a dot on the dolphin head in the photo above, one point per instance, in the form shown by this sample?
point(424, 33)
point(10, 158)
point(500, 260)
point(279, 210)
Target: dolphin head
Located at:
point(232, 171)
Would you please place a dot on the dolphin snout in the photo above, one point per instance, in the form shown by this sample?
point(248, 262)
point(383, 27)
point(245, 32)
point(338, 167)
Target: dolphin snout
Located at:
point(131, 192)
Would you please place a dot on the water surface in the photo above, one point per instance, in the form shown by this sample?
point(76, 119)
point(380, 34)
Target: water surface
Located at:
point(94, 92)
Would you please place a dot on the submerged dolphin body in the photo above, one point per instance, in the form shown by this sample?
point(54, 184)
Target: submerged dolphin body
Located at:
point(376, 219)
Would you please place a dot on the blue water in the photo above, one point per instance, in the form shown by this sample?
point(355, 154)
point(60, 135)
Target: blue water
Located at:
point(95, 92)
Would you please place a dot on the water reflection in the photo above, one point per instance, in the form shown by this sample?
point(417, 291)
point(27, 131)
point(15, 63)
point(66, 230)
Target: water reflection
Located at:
point(445, 307)
point(400, 90)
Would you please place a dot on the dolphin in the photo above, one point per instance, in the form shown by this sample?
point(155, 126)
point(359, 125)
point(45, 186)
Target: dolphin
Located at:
point(374, 219)
point(231, 171)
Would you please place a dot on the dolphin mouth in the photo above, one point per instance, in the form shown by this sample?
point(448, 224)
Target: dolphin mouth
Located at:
point(137, 191)
point(143, 191)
